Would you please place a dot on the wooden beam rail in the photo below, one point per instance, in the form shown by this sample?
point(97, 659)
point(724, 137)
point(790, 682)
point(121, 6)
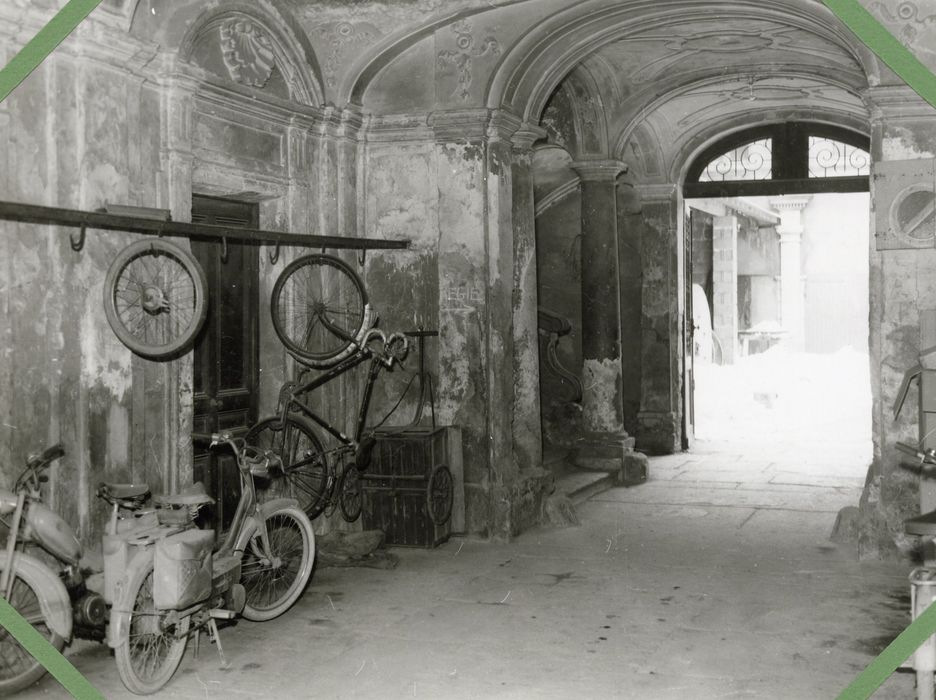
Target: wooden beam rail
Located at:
point(34, 214)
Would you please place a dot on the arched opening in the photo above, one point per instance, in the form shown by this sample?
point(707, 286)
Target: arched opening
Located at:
point(776, 239)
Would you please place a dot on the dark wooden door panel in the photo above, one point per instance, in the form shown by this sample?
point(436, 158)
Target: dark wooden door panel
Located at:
point(226, 363)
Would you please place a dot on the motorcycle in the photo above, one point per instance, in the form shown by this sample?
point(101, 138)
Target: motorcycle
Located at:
point(162, 577)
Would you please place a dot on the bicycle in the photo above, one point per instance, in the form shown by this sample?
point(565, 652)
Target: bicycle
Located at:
point(316, 477)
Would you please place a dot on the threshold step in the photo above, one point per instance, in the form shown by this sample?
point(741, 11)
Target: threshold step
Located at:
point(579, 486)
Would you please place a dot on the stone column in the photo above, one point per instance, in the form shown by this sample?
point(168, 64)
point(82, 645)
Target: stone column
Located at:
point(176, 380)
point(605, 441)
point(659, 423)
point(527, 421)
point(725, 285)
point(790, 231)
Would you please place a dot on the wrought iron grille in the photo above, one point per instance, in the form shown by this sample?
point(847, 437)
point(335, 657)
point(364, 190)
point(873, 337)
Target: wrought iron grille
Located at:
point(828, 158)
point(751, 161)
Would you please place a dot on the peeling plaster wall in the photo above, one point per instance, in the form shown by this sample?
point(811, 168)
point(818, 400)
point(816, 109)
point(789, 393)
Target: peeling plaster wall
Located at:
point(903, 291)
point(79, 133)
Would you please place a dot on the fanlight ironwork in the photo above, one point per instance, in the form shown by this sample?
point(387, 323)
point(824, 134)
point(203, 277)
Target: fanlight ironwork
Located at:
point(750, 161)
point(829, 158)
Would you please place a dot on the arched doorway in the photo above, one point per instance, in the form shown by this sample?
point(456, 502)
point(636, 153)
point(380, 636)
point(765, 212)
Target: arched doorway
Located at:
point(777, 288)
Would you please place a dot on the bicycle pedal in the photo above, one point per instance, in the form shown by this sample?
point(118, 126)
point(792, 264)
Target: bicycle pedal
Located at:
point(219, 614)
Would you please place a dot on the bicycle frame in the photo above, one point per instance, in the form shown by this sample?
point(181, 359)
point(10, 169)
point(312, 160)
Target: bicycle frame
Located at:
point(359, 358)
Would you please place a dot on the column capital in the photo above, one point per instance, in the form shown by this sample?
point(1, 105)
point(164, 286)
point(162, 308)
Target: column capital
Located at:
point(785, 204)
point(598, 170)
point(528, 134)
point(460, 125)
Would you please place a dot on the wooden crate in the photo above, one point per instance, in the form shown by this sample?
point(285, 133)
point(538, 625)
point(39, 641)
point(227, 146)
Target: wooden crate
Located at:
point(395, 485)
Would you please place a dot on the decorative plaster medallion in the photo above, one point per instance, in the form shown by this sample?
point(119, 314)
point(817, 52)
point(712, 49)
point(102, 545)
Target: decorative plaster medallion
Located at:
point(916, 32)
point(913, 210)
point(467, 51)
point(341, 36)
point(248, 52)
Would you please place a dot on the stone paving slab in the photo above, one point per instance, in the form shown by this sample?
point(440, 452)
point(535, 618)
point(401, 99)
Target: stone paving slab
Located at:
point(673, 589)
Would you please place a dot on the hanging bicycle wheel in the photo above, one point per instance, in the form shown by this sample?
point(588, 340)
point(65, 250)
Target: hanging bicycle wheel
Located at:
point(320, 309)
point(440, 494)
point(305, 475)
point(155, 298)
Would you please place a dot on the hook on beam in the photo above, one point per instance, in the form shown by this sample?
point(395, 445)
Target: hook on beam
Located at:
point(224, 250)
point(77, 244)
point(362, 256)
point(274, 255)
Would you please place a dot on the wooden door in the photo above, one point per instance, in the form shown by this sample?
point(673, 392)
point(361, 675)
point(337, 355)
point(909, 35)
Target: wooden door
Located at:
point(226, 362)
point(688, 332)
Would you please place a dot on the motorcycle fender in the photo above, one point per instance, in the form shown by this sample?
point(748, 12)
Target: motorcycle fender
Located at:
point(53, 598)
point(251, 524)
point(120, 611)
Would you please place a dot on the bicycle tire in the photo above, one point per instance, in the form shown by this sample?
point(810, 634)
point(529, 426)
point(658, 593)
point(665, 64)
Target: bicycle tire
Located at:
point(303, 318)
point(155, 298)
point(305, 474)
point(135, 651)
point(20, 669)
point(350, 495)
point(440, 494)
point(272, 591)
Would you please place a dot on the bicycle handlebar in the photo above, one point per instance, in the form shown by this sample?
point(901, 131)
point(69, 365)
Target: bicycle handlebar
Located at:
point(248, 457)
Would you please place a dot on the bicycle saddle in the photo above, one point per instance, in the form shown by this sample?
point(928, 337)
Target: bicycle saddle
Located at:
point(194, 495)
point(127, 495)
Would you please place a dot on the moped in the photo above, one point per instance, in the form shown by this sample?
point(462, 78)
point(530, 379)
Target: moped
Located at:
point(162, 577)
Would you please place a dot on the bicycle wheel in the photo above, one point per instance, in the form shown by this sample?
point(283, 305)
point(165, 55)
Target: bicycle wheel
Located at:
point(153, 642)
point(320, 309)
point(18, 668)
point(274, 579)
point(155, 298)
point(350, 497)
point(305, 476)
point(439, 494)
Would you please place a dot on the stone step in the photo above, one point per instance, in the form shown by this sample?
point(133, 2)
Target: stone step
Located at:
point(579, 486)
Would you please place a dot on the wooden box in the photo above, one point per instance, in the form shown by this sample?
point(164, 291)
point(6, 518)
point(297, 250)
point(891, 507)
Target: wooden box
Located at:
point(397, 479)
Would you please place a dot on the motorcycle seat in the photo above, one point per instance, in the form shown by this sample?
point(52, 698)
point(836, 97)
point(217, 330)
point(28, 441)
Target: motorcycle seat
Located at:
point(194, 495)
point(125, 491)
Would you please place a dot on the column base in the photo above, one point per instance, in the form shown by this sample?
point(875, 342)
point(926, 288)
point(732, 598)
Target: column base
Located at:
point(613, 454)
point(659, 432)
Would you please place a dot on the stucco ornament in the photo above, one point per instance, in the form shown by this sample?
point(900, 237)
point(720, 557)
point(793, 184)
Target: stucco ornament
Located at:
point(248, 52)
point(465, 53)
point(918, 31)
point(342, 37)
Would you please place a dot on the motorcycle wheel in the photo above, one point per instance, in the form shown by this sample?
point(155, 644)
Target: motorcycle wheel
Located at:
point(272, 591)
point(149, 651)
point(18, 668)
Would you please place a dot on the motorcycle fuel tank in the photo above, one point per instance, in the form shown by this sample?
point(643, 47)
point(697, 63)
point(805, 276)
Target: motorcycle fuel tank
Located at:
point(52, 533)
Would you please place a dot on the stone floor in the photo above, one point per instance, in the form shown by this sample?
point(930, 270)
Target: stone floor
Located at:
point(715, 579)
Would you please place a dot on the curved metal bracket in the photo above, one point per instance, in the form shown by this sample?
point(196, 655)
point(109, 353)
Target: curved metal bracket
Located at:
point(362, 256)
point(274, 255)
point(77, 244)
point(224, 251)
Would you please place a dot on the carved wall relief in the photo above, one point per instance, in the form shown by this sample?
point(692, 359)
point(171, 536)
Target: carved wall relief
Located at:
point(466, 51)
point(905, 210)
point(248, 52)
point(342, 37)
point(915, 28)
